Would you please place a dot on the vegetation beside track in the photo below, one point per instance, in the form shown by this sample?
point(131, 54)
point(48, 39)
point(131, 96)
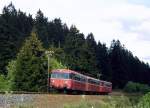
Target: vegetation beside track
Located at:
point(116, 99)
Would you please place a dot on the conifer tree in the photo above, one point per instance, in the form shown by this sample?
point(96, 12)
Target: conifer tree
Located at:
point(103, 63)
point(90, 46)
point(14, 27)
point(30, 72)
point(73, 48)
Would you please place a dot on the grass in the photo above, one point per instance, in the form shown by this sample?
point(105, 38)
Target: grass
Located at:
point(89, 101)
point(108, 102)
point(23, 106)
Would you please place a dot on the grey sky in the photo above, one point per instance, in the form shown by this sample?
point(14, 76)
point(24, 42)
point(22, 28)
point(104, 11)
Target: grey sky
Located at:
point(126, 20)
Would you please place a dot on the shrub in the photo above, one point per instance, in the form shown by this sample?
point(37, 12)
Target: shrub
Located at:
point(4, 86)
point(132, 87)
point(143, 88)
point(55, 64)
point(110, 102)
point(145, 101)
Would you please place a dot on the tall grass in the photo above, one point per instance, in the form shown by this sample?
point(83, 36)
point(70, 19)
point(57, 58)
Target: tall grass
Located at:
point(107, 102)
point(113, 102)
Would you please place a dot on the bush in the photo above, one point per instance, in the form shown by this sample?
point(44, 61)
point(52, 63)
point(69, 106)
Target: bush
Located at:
point(145, 101)
point(55, 64)
point(143, 88)
point(4, 84)
point(121, 102)
point(132, 87)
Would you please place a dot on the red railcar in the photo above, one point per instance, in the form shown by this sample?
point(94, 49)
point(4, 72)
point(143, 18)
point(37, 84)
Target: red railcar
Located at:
point(105, 87)
point(65, 79)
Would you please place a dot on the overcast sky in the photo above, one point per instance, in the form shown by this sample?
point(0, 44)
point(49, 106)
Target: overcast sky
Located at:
point(126, 20)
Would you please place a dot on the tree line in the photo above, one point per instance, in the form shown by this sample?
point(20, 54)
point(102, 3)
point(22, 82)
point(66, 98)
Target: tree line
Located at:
point(24, 39)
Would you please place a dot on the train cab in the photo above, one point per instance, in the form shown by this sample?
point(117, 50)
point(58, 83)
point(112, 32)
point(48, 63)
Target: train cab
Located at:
point(60, 79)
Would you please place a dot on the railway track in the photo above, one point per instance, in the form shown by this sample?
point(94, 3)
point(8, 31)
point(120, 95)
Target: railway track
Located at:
point(25, 92)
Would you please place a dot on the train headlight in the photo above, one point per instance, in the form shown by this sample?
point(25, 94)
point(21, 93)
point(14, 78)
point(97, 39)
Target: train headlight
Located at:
point(53, 81)
point(66, 82)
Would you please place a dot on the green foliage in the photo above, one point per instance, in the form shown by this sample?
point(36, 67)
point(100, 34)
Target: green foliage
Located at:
point(130, 87)
point(28, 72)
point(143, 88)
point(145, 101)
point(55, 64)
point(81, 52)
point(73, 48)
point(133, 87)
point(103, 61)
point(84, 104)
point(57, 60)
point(14, 26)
point(91, 63)
point(11, 69)
point(120, 102)
point(4, 84)
point(125, 67)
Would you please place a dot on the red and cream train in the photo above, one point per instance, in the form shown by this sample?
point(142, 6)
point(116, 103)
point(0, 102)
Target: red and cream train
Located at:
point(65, 79)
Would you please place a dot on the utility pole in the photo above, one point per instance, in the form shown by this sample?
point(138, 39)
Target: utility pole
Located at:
point(99, 75)
point(49, 54)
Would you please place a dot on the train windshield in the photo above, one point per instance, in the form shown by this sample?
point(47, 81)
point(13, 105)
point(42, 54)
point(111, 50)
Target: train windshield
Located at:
point(60, 75)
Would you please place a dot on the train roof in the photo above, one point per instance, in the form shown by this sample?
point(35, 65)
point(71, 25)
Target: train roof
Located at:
point(92, 78)
point(71, 71)
point(60, 70)
point(105, 81)
point(66, 71)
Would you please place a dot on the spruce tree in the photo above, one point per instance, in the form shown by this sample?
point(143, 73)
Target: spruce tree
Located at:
point(90, 46)
point(73, 48)
point(14, 27)
point(103, 63)
point(30, 73)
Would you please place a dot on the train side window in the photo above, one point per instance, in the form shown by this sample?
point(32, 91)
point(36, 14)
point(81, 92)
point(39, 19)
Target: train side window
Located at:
point(66, 75)
point(93, 81)
point(59, 75)
point(78, 77)
point(89, 80)
point(75, 77)
point(108, 84)
point(97, 82)
point(83, 79)
point(71, 76)
point(102, 83)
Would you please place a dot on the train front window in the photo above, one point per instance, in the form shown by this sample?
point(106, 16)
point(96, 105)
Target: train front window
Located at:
point(53, 75)
point(60, 75)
